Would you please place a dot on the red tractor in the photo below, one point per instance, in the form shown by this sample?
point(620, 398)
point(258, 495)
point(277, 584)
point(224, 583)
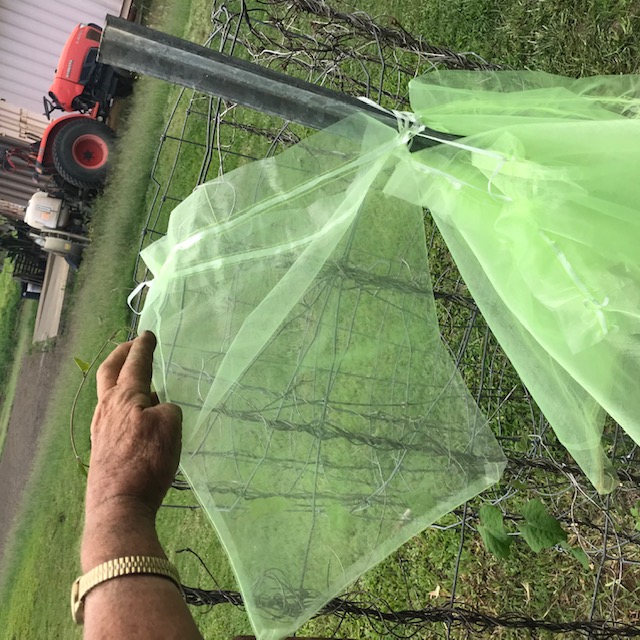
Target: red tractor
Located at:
point(77, 147)
point(74, 154)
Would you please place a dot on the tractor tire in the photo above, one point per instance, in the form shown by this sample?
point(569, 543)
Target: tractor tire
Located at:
point(82, 153)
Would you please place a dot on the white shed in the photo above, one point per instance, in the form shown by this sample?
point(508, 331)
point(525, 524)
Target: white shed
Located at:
point(32, 34)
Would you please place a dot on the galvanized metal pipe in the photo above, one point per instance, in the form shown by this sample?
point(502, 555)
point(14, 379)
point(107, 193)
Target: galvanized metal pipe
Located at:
point(143, 50)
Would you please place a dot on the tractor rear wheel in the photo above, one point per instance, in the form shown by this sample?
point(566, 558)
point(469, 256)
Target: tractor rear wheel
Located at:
point(82, 153)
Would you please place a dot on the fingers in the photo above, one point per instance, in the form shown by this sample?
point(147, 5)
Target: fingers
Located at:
point(136, 371)
point(109, 370)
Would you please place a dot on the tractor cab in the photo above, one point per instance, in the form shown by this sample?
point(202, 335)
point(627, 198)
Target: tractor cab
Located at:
point(75, 148)
point(82, 83)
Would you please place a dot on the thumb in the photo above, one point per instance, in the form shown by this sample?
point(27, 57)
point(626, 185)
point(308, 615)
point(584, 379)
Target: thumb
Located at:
point(168, 415)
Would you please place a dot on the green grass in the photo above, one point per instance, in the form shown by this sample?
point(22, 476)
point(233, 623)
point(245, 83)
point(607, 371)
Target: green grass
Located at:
point(576, 38)
point(17, 320)
point(584, 38)
point(22, 340)
point(9, 310)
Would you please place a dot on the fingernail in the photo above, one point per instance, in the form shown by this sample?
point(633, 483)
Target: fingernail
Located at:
point(147, 334)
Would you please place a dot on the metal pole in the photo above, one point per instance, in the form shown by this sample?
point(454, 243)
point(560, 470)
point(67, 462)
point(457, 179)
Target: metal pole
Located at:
point(143, 50)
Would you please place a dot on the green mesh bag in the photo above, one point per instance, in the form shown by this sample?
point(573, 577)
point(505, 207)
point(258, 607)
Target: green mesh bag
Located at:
point(325, 422)
point(539, 206)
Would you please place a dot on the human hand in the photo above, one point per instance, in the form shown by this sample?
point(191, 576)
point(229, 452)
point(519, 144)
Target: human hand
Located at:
point(135, 441)
point(134, 456)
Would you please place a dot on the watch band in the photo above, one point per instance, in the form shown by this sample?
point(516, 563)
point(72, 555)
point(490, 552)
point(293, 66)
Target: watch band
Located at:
point(126, 566)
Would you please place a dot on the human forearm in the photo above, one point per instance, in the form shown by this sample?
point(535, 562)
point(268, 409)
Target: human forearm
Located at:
point(135, 448)
point(116, 529)
point(138, 606)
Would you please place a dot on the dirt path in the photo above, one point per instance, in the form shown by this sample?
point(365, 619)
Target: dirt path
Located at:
point(38, 374)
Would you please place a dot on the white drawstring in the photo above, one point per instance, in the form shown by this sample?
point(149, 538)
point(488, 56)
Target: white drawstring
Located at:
point(410, 124)
point(407, 121)
point(135, 293)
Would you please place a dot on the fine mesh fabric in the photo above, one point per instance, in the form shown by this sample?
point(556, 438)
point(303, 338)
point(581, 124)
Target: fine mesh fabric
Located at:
point(325, 422)
point(539, 206)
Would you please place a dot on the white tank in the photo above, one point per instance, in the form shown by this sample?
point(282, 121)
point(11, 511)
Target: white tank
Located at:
point(45, 212)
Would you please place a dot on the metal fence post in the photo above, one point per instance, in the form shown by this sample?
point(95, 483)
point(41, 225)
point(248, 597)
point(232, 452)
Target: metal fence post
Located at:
point(143, 50)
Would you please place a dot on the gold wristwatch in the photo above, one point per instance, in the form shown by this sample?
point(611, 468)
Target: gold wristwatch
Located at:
point(126, 566)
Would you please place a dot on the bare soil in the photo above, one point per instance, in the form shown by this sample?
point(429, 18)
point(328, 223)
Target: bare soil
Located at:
point(35, 385)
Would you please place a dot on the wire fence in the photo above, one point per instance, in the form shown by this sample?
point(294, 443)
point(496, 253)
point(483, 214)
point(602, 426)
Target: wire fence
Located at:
point(204, 137)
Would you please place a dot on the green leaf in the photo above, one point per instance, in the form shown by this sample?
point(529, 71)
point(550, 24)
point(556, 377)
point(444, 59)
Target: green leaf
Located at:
point(492, 531)
point(578, 554)
point(82, 365)
point(540, 531)
point(82, 468)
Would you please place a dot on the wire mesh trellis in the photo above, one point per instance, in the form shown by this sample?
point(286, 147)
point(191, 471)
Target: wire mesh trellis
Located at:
point(350, 51)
